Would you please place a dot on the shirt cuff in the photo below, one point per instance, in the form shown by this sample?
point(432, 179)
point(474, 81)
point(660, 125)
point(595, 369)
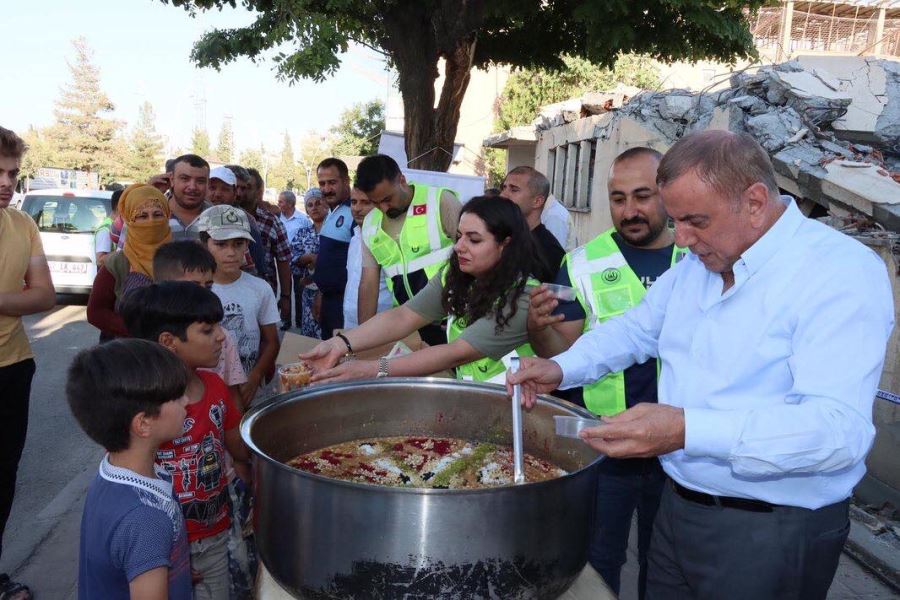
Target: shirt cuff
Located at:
point(712, 433)
point(573, 368)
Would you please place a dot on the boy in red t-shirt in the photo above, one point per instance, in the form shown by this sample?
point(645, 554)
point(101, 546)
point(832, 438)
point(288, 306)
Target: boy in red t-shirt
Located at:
point(184, 318)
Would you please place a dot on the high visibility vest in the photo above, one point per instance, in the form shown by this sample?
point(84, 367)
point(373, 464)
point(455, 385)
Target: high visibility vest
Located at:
point(606, 287)
point(423, 245)
point(485, 369)
point(106, 223)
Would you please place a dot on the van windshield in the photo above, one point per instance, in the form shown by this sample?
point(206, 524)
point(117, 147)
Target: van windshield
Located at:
point(66, 214)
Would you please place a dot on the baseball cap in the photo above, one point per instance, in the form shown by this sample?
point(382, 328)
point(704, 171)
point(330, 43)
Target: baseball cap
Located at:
point(224, 222)
point(224, 174)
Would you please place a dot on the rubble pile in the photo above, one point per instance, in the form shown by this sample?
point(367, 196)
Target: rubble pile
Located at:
point(797, 113)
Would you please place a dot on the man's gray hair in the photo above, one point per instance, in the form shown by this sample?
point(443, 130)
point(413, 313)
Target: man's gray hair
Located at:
point(289, 197)
point(728, 162)
point(537, 182)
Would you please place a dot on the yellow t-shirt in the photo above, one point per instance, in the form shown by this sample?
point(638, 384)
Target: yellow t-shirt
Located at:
point(19, 241)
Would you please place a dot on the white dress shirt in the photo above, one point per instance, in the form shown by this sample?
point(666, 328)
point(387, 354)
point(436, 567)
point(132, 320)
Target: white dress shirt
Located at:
point(558, 221)
point(354, 274)
point(294, 223)
point(776, 376)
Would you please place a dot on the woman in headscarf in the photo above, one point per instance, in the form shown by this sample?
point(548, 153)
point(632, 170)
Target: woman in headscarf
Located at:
point(304, 250)
point(146, 214)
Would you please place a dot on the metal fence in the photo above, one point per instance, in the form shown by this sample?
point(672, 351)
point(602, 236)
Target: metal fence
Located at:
point(825, 33)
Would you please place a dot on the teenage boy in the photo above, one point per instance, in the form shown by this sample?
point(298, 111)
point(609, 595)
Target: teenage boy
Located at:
point(251, 312)
point(360, 206)
point(189, 261)
point(184, 318)
point(128, 396)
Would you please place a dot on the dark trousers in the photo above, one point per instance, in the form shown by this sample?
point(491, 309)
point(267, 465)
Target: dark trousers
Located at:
point(298, 300)
point(712, 552)
point(332, 316)
point(624, 486)
point(15, 383)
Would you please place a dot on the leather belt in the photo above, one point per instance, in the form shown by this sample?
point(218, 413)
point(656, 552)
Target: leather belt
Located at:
point(723, 501)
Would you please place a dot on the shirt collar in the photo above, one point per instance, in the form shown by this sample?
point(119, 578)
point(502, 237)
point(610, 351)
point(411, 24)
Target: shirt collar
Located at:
point(775, 238)
point(159, 487)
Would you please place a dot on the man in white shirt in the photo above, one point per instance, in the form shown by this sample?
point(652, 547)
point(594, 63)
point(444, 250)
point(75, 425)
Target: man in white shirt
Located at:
point(293, 220)
point(360, 206)
point(771, 337)
point(558, 221)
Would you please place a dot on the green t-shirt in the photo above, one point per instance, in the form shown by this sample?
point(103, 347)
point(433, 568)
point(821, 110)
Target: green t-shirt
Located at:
point(480, 334)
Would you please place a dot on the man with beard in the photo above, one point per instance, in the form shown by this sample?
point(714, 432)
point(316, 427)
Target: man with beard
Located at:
point(256, 252)
point(275, 242)
point(410, 236)
point(610, 274)
point(190, 176)
point(330, 274)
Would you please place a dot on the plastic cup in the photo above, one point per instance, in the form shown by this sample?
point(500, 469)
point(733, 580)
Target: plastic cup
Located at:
point(563, 293)
point(293, 376)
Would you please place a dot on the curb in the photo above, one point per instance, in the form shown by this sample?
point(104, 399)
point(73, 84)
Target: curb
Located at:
point(876, 549)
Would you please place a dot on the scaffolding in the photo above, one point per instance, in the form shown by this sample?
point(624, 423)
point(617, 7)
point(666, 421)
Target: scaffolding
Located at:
point(829, 27)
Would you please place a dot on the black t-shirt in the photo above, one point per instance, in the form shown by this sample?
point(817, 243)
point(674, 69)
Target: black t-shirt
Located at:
point(551, 253)
point(648, 265)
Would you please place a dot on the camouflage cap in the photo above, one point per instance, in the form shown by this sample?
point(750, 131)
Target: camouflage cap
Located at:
point(225, 222)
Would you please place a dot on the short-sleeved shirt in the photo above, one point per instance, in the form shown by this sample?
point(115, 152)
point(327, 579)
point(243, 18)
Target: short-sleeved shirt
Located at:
point(334, 242)
point(481, 334)
point(196, 459)
point(20, 240)
point(275, 242)
point(131, 524)
point(229, 368)
point(249, 303)
point(294, 223)
point(648, 265)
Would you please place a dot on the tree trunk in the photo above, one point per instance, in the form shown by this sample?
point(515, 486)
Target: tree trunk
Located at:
point(429, 131)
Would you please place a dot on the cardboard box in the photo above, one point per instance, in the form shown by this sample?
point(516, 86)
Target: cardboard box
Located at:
point(293, 344)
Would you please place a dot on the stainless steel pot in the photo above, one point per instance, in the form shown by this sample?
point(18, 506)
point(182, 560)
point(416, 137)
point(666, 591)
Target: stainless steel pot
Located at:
point(324, 538)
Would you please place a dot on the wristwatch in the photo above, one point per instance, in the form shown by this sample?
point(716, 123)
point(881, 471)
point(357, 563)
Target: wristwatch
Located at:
point(382, 367)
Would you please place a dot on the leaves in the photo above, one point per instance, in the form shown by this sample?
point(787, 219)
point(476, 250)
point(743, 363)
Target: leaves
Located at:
point(359, 129)
point(145, 148)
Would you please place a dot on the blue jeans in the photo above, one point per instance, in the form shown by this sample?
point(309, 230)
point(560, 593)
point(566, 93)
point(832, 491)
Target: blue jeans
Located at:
point(622, 487)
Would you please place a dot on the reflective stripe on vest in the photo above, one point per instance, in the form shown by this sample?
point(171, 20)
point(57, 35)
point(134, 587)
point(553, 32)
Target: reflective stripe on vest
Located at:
point(606, 287)
point(485, 369)
point(423, 245)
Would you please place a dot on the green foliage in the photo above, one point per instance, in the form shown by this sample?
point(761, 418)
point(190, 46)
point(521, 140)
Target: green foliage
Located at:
point(253, 159)
point(200, 143)
point(225, 145)
point(314, 148)
point(306, 39)
point(359, 129)
point(145, 148)
point(493, 166)
point(527, 90)
point(40, 152)
point(284, 174)
point(82, 136)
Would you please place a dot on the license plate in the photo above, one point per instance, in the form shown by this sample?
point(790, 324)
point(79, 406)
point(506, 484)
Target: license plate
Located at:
point(68, 267)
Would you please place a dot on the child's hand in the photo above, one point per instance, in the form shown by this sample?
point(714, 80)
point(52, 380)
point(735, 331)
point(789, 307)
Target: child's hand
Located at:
point(248, 389)
point(325, 355)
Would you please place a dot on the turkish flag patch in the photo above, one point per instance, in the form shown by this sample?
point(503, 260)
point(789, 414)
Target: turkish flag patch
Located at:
point(421, 209)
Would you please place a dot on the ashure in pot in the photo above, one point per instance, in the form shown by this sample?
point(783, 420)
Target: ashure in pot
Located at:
point(326, 538)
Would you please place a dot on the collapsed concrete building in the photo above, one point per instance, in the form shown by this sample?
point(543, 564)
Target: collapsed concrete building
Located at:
point(831, 126)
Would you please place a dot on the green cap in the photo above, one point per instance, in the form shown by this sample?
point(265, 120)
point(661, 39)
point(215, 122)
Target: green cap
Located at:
point(224, 222)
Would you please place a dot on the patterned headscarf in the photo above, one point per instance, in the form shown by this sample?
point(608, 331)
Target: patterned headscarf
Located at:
point(143, 237)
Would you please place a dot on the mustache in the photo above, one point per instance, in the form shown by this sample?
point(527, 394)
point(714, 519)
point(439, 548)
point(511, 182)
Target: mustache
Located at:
point(635, 221)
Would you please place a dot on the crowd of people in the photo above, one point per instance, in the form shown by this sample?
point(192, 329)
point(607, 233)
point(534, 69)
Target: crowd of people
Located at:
point(732, 359)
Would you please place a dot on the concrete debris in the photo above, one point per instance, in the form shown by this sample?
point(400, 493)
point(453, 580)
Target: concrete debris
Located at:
point(887, 127)
point(591, 103)
point(773, 130)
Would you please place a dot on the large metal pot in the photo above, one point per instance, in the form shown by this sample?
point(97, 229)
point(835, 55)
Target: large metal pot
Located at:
point(324, 538)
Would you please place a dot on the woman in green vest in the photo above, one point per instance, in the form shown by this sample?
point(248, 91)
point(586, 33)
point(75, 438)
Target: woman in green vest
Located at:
point(481, 292)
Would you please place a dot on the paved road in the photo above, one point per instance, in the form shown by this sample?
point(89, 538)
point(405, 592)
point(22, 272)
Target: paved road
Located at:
point(41, 542)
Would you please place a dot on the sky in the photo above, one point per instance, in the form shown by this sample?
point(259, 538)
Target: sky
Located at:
point(142, 49)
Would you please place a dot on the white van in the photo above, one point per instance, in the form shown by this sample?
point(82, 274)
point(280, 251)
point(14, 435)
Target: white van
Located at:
point(67, 220)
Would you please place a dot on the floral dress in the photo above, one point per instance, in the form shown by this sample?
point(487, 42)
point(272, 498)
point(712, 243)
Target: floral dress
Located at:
point(306, 241)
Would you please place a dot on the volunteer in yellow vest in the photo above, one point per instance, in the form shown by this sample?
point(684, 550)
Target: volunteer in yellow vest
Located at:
point(610, 274)
point(482, 291)
point(410, 236)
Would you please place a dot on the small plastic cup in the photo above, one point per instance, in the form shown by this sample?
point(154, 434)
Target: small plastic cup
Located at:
point(293, 376)
point(563, 293)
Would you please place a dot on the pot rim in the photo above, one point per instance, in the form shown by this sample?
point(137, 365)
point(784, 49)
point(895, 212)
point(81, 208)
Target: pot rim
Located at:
point(275, 402)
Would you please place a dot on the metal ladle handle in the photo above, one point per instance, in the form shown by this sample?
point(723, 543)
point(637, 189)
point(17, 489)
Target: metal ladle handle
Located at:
point(518, 455)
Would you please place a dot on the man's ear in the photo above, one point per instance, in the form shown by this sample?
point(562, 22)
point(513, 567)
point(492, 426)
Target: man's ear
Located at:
point(167, 340)
point(757, 201)
point(540, 201)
